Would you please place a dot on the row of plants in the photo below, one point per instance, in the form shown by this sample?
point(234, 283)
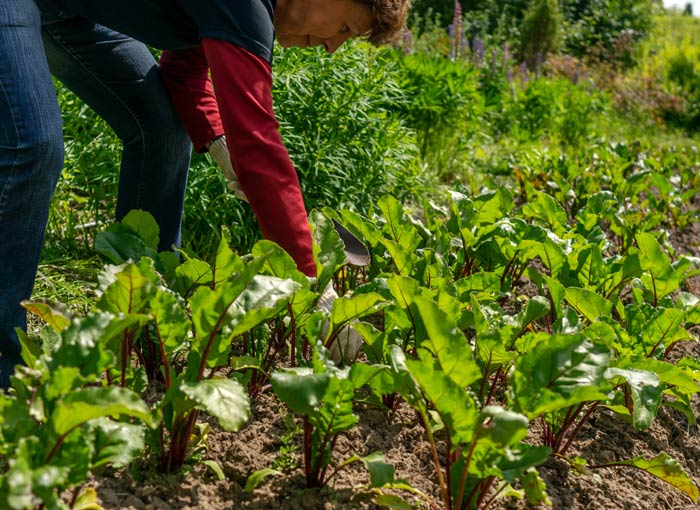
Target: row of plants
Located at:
point(449, 328)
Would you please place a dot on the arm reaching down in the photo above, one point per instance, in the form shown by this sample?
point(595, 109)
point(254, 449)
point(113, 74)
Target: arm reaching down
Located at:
point(242, 95)
point(186, 77)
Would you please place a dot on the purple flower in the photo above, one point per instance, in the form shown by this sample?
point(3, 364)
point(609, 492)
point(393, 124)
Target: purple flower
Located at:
point(455, 30)
point(407, 37)
point(478, 50)
point(524, 76)
point(539, 60)
point(506, 54)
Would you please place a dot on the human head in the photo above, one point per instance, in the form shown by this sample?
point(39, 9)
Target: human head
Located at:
point(330, 23)
point(388, 19)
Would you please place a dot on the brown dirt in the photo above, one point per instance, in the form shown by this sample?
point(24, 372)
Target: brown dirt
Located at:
point(606, 438)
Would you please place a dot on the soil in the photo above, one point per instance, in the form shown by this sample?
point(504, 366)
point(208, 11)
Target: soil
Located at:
point(605, 439)
point(398, 435)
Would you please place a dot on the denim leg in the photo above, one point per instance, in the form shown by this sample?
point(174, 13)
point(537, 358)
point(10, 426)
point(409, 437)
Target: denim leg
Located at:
point(118, 77)
point(31, 157)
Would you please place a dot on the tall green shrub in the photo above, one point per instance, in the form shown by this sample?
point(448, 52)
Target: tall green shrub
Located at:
point(442, 105)
point(335, 116)
point(540, 32)
point(607, 29)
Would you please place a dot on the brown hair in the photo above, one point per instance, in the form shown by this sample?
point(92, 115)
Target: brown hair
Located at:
point(388, 19)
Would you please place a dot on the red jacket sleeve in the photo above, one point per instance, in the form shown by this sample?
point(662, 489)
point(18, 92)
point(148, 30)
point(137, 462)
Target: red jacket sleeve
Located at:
point(186, 77)
point(243, 99)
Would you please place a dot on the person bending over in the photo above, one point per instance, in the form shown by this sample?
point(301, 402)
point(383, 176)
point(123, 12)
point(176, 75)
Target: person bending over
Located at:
point(217, 62)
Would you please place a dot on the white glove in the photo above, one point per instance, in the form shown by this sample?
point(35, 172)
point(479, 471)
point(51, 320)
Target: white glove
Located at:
point(219, 152)
point(348, 341)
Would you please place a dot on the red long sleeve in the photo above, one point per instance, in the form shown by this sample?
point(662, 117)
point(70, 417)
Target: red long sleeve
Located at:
point(186, 77)
point(242, 102)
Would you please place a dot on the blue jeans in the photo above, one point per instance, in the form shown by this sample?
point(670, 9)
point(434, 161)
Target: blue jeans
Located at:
point(118, 77)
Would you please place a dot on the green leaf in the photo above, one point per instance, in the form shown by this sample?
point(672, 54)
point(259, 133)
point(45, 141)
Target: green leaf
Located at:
point(646, 393)
point(661, 279)
point(86, 404)
point(681, 377)
point(622, 272)
point(588, 303)
point(55, 315)
point(300, 388)
point(115, 443)
point(398, 226)
point(144, 226)
point(262, 299)
point(29, 349)
point(591, 268)
point(492, 351)
point(361, 373)
point(490, 206)
point(83, 343)
point(455, 406)
point(535, 308)
point(665, 329)
point(481, 282)
point(403, 289)
point(255, 479)
point(447, 343)
point(226, 263)
point(403, 258)
point(563, 371)
point(170, 320)
point(347, 309)
point(16, 489)
point(329, 250)
point(553, 257)
point(87, 500)
point(278, 262)
point(120, 245)
point(546, 209)
point(503, 427)
point(210, 307)
point(557, 292)
point(191, 274)
point(215, 468)
point(381, 473)
point(535, 488)
point(130, 291)
point(224, 399)
point(520, 459)
point(667, 469)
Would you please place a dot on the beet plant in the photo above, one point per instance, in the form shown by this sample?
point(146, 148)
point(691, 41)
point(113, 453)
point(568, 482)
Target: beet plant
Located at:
point(485, 453)
point(61, 421)
point(322, 395)
point(186, 319)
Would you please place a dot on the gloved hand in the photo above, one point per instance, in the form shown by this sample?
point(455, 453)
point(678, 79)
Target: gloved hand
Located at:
point(348, 341)
point(219, 152)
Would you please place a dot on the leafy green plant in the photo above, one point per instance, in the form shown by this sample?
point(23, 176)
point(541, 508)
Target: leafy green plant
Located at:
point(322, 394)
point(54, 426)
point(441, 104)
point(188, 326)
point(540, 32)
point(335, 113)
point(485, 453)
